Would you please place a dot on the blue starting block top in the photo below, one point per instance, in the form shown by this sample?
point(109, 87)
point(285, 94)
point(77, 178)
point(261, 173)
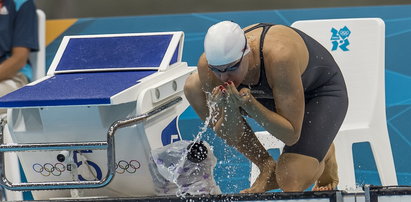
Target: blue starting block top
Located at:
point(94, 88)
point(90, 70)
point(117, 52)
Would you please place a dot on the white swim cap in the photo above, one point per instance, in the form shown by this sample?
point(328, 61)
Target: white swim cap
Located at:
point(224, 43)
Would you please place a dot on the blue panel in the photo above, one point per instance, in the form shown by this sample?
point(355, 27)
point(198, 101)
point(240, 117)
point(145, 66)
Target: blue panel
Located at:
point(170, 133)
point(74, 89)
point(114, 52)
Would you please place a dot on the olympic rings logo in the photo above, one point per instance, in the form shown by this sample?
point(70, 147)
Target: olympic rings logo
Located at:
point(48, 169)
point(344, 33)
point(131, 167)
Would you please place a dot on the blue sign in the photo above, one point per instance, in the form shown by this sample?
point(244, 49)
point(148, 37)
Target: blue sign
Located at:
point(339, 38)
point(170, 133)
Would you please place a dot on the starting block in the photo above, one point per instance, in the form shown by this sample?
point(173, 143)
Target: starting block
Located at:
point(106, 102)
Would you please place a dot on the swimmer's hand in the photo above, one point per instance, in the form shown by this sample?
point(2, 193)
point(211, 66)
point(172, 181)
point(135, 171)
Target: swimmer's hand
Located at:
point(218, 105)
point(229, 115)
point(237, 98)
point(218, 96)
point(231, 125)
point(220, 99)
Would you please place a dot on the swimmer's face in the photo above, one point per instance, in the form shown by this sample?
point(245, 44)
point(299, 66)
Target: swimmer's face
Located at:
point(233, 71)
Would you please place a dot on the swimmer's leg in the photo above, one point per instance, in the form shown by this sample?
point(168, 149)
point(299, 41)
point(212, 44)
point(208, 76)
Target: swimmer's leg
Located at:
point(266, 180)
point(296, 172)
point(249, 145)
point(314, 150)
point(329, 178)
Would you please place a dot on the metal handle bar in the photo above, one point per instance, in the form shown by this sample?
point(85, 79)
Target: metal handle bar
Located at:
point(109, 145)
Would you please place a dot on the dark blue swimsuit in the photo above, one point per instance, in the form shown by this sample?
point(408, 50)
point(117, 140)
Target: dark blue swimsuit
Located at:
point(326, 100)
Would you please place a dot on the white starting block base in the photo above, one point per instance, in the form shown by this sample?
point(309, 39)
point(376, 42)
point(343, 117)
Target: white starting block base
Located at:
point(76, 104)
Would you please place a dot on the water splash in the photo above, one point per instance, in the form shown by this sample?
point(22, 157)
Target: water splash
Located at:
point(177, 169)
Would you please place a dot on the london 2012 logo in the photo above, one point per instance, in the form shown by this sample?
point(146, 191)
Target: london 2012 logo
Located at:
point(339, 38)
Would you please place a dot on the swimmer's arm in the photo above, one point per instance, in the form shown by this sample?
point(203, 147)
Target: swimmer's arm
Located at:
point(230, 121)
point(207, 81)
point(285, 124)
point(234, 130)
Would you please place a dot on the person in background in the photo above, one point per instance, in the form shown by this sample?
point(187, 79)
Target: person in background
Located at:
point(289, 84)
point(18, 37)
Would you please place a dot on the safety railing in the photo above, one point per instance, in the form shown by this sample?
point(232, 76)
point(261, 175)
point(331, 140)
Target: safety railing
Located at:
point(100, 145)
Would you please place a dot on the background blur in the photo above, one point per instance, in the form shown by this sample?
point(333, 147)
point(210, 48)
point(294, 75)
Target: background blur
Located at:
point(57, 9)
